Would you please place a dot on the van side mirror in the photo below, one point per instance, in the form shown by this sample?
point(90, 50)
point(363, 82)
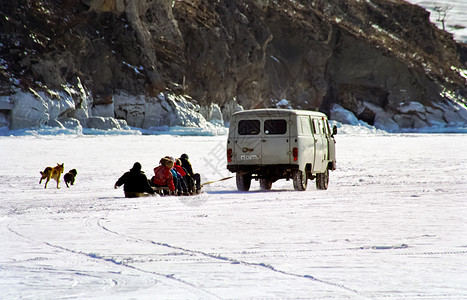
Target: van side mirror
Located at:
point(334, 130)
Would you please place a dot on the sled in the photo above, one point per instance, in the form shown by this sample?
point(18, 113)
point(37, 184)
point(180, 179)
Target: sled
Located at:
point(158, 191)
point(136, 195)
point(164, 191)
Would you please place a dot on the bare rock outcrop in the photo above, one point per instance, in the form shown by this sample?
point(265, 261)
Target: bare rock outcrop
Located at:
point(382, 60)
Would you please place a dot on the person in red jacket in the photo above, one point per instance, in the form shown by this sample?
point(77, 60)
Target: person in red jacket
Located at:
point(162, 175)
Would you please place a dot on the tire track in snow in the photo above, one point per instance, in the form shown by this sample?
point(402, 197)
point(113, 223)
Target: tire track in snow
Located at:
point(428, 253)
point(357, 248)
point(123, 264)
point(380, 247)
point(109, 280)
point(234, 261)
point(111, 260)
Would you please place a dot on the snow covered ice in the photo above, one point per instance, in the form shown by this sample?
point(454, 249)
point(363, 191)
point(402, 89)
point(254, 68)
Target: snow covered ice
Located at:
point(391, 225)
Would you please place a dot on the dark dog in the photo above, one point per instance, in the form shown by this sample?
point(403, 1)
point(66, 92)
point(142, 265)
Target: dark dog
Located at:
point(70, 177)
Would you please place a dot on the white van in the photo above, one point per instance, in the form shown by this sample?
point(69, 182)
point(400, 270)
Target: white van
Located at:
point(272, 144)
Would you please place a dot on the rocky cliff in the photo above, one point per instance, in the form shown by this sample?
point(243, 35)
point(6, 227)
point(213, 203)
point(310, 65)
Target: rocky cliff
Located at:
point(154, 62)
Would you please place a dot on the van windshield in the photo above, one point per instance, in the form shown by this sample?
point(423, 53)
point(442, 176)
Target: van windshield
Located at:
point(275, 126)
point(248, 127)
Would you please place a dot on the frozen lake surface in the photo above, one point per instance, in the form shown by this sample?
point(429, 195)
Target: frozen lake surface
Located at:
point(392, 225)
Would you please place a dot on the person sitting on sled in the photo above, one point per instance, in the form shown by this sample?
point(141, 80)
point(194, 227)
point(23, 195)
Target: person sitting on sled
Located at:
point(163, 176)
point(135, 183)
point(182, 184)
point(193, 178)
point(177, 178)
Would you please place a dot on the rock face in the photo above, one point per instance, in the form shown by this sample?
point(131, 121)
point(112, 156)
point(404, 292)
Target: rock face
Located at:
point(152, 62)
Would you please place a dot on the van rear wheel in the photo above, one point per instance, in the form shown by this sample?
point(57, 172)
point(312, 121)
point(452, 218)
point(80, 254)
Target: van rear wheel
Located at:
point(299, 180)
point(243, 182)
point(265, 184)
point(322, 180)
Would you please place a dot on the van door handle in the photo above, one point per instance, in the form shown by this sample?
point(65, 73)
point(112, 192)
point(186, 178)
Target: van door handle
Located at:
point(263, 141)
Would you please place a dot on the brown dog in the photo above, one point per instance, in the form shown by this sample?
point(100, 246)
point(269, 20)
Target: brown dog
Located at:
point(70, 177)
point(54, 173)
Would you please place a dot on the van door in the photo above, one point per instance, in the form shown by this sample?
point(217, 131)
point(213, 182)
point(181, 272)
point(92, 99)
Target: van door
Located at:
point(275, 141)
point(247, 143)
point(307, 144)
point(321, 146)
point(331, 144)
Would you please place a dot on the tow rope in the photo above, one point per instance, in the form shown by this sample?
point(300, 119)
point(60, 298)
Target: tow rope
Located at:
point(222, 179)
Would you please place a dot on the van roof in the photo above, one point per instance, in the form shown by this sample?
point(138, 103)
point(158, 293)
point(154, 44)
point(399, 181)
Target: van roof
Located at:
point(263, 112)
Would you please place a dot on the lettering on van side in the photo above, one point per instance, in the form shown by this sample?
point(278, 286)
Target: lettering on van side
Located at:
point(249, 156)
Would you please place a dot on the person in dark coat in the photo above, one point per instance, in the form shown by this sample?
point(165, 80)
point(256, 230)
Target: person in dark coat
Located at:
point(182, 187)
point(135, 183)
point(195, 178)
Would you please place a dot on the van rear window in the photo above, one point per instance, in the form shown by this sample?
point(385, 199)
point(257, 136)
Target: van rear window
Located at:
point(275, 126)
point(248, 127)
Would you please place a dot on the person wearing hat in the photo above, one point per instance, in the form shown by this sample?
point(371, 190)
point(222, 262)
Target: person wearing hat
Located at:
point(182, 187)
point(135, 183)
point(163, 176)
point(176, 176)
point(194, 178)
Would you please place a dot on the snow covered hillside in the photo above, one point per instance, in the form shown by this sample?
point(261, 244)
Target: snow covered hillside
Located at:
point(391, 225)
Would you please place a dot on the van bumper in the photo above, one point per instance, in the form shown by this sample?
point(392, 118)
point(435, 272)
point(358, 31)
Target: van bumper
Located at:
point(278, 171)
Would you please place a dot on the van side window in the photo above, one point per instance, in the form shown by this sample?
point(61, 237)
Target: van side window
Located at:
point(275, 126)
point(328, 129)
point(322, 126)
point(248, 127)
point(316, 127)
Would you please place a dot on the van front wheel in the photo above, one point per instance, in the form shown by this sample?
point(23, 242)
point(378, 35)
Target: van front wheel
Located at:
point(322, 180)
point(299, 180)
point(243, 182)
point(265, 184)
